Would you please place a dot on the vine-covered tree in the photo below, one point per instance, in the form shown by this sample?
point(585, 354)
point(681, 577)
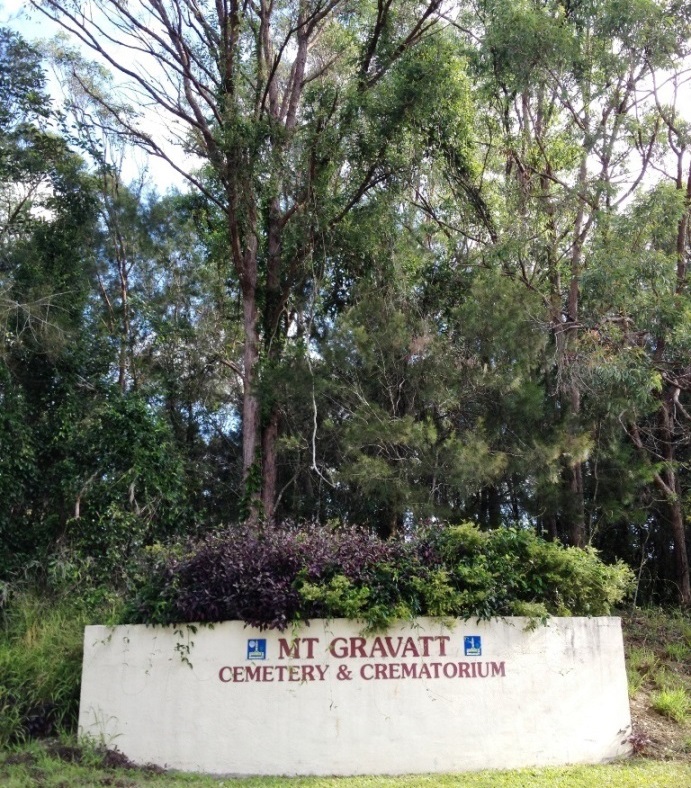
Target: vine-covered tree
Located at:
point(300, 110)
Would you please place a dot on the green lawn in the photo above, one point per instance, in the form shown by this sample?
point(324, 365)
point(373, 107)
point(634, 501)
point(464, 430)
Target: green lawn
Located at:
point(64, 767)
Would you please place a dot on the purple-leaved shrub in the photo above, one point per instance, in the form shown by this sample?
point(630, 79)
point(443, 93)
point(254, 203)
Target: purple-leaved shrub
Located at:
point(273, 575)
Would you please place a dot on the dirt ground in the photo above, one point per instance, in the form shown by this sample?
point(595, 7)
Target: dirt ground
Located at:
point(658, 650)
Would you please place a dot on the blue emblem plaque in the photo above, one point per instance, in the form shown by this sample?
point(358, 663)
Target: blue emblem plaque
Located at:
point(472, 645)
point(256, 648)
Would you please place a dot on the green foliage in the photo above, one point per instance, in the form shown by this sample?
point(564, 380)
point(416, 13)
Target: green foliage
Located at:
point(672, 703)
point(502, 571)
point(456, 571)
point(40, 664)
point(679, 652)
point(417, 349)
point(634, 681)
point(642, 660)
point(338, 595)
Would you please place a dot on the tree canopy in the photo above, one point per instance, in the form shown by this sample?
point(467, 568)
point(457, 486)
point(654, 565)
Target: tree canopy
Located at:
point(433, 266)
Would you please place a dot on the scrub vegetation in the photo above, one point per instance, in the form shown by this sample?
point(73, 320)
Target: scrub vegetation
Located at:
point(273, 576)
point(658, 661)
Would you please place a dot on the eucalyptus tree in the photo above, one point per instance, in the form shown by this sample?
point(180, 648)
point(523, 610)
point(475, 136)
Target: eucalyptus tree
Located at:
point(567, 142)
point(287, 104)
point(637, 298)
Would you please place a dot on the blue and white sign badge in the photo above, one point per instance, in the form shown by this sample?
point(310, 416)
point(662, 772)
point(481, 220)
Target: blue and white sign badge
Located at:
point(256, 648)
point(472, 645)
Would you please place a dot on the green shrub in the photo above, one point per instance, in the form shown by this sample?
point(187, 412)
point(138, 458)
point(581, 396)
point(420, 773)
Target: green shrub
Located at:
point(40, 664)
point(275, 575)
point(642, 660)
point(679, 652)
point(674, 704)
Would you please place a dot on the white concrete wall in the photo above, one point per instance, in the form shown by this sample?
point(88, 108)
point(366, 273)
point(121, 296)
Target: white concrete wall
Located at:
point(410, 701)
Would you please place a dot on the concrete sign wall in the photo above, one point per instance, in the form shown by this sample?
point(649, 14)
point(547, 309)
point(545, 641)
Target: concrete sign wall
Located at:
point(326, 699)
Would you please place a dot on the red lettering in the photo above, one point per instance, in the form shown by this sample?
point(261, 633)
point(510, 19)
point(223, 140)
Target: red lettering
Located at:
point(321, 670)
point(424, 672)
point(294, 673)
point(342, 651)
point(380, 671)
point(411, 648)
point(395, 670)
point(238, 674)
point(450, 670)
point(290, 650)
point(281, 672)
point(463, 670)
point(310, 646)
point(379, 647)
point(362, 672)
point(253, 673)
point(436, 666)
point(308, 672)
point(357, 647)
point(389, 644)
point(498, 669)
point(480, 666)
point(443, 639)
point(221, 674)
point(409, 670)
point(267, 673)
point(426, 639)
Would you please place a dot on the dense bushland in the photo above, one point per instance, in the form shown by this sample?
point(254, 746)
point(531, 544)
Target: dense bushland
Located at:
point(273, 576)
point(41, 637)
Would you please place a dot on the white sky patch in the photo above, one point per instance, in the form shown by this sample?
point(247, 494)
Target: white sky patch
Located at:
point(35, 27)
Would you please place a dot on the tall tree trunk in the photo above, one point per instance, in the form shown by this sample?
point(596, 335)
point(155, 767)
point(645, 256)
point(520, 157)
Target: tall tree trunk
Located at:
point(251, 412)
point(273, 343)
point(672, 490)
point(576, 492)
point(269, 465)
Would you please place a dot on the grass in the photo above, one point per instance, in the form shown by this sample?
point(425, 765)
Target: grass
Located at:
point(672, 703)
point(58, 765)
point(658, 651)
point(40, 666)
point(678, 652)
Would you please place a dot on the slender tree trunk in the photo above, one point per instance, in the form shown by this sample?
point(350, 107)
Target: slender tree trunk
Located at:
point(667, 412)
point(250, 398)
point(672, 490)
point(273, 342)
point(576, 492)
point(681, 559)
point(576, 522)
point(269, 465)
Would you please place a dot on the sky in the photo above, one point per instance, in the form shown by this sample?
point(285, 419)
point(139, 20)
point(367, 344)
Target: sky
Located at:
point(33, 26)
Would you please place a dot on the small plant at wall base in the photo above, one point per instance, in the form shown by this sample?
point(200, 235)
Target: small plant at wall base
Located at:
point(275, 576)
